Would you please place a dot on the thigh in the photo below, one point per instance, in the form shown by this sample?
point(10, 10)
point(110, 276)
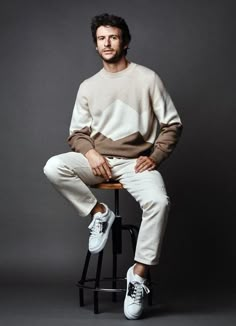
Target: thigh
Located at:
point(147, 185)
point(77, 165)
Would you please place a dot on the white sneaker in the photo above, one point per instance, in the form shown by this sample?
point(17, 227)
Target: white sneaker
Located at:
point(99, 230)
point(134, 299)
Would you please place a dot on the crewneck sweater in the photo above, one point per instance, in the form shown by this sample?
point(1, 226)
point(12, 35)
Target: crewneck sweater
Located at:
point(125, 114)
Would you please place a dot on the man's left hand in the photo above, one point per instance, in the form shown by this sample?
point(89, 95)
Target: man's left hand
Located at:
point(144, 163)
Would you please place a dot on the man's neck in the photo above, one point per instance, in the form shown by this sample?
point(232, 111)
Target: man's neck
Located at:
point(116, 67)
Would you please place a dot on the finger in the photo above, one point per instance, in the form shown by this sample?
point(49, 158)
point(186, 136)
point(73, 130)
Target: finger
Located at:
point(142, 167)
point(94, 171)
point(152, 161)
point(107, 162)
point(152, 165)
point(140, 160)
point(142, 163)
point(103, 173)
point(138, 165)
point(98, 172)
point(107, 169)
point(147, 165)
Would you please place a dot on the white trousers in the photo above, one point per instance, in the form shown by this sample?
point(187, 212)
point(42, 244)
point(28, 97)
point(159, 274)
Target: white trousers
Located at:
point(71, 174)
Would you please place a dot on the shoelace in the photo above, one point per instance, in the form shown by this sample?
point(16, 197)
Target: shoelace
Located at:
point(96, 227)
point(136, 291)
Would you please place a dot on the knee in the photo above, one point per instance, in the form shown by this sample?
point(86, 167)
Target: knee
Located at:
point(157, 203)
point(164, 202)
point(51, 169)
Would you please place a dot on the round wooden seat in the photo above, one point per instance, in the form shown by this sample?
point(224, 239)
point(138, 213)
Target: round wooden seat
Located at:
point(111, 185)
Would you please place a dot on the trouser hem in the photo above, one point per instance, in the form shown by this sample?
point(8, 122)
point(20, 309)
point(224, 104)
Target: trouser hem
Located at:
point(146, 262)
point(89, 208)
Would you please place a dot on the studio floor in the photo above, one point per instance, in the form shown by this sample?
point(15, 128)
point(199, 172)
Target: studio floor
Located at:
point(47, 304)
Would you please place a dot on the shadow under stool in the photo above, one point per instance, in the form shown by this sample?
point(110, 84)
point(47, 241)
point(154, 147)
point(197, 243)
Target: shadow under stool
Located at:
point(94, 284)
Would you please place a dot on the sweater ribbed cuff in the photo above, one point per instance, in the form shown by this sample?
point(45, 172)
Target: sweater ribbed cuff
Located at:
point(158, 156)
point(85, 147)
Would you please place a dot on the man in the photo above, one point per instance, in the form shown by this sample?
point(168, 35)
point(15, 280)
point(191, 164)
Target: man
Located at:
point(124, 124)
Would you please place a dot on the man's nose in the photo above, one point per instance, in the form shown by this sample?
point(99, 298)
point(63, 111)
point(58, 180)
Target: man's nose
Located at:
point(107, 42)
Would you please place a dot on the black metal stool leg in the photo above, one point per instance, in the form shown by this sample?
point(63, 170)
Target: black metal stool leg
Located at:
point(116, 243)
point(150, 294)
point(116, 234)
point(132, 229)
point(83, 278)
point(97, 282)
point(114, 276)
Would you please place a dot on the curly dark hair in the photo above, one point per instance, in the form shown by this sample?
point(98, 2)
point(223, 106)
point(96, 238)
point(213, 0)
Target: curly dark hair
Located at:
point(111, 20)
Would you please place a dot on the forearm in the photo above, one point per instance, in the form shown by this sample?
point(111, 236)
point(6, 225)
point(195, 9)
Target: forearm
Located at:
point(80, 142)
point(166, 141)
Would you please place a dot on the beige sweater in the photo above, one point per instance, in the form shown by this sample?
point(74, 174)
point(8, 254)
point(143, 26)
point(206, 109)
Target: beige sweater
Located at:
point(125, 114)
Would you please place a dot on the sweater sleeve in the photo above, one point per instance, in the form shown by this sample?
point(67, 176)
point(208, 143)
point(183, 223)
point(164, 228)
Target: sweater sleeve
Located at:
point(80, 127)
point(169, 122)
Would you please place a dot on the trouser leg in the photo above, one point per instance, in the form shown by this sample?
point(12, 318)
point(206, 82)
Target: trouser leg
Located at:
point(149, 190)
point(70, 174)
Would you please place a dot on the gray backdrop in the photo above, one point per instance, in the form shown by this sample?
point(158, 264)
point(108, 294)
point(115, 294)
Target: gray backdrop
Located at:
point(46, 51)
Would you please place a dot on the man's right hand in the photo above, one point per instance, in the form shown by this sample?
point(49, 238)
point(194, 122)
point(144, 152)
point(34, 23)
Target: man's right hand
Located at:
point(99, 164)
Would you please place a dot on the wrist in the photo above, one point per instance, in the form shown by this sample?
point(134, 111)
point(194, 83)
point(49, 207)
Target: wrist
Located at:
point(89, 152)
point(153, 161)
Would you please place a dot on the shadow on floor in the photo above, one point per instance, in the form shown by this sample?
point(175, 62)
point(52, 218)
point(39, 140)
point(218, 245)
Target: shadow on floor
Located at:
point(59, 305)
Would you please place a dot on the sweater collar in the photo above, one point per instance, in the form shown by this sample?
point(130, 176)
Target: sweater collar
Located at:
point(118, 74)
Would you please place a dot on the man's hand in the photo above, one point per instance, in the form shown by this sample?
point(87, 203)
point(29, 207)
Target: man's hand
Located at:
point(99, 164)
point(144, 163)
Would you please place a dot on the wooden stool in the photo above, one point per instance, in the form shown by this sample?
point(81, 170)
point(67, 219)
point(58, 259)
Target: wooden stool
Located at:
point(117, 228)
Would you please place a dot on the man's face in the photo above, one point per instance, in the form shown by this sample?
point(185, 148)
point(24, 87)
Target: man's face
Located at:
point(109, 44)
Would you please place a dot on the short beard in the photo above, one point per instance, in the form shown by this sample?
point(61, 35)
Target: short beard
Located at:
point(116, 58)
